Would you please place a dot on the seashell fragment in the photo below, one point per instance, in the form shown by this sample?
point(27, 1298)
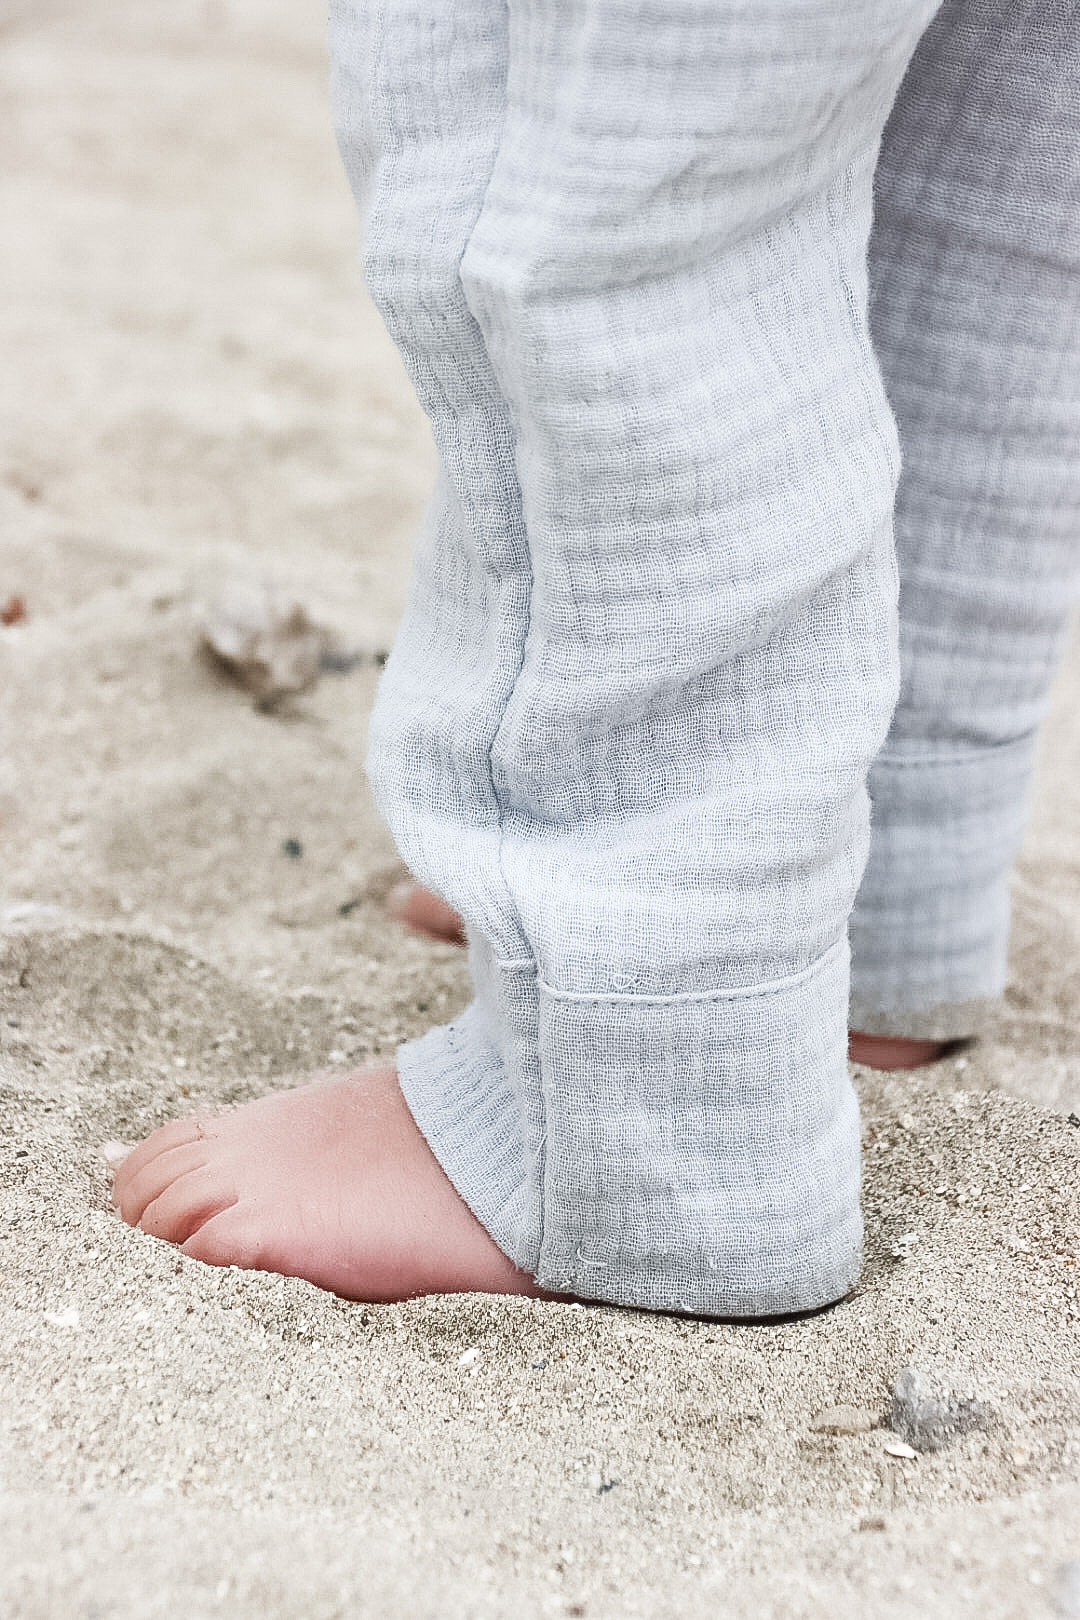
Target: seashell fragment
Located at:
point(899, 1448)
point(63, 1319)
point(265, 641)
point(843, 1420)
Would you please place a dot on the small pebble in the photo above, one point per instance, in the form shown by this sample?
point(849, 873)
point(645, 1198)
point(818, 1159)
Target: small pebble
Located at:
point(843, 1420)
point(63, 1319)
point(930, 1413)
point(900, 1448)
point(468, 1357)
point(293, 848)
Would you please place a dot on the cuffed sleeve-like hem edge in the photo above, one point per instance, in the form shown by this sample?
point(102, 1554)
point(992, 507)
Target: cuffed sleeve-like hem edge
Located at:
point(930, 928)
point(702, 1154)
point(698, 1155)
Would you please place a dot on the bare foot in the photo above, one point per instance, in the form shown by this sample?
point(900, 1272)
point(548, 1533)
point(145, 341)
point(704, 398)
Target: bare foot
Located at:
point(425, 913)
point(894, 1051)
point(332, 1181)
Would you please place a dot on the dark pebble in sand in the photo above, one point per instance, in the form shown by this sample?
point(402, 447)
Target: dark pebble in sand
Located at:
point(293, 848)
point(930, 1414)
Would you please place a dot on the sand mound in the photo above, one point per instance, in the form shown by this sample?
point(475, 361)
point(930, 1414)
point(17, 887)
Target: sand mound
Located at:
point(203, 1434)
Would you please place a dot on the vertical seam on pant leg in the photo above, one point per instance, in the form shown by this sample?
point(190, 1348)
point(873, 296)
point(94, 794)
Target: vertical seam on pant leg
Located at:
point(528, 579)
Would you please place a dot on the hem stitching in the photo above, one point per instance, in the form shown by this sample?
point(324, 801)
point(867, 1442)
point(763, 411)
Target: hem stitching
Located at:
point(731, 993)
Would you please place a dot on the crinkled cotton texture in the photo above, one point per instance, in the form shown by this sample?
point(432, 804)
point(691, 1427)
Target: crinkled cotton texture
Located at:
point(975, 313)
point(651, 648)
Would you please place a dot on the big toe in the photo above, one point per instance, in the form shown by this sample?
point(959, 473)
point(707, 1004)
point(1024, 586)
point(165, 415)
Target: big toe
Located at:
point(892, 1052)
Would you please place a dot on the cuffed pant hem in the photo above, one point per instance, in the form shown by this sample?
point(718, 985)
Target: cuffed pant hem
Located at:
point(697, 1154)
point(930, 928)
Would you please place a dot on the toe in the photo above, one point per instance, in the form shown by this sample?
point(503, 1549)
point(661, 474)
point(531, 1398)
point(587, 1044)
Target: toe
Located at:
point(133, 1192)
point(177, 1134)
point(224, 1240)
point(186, 1205)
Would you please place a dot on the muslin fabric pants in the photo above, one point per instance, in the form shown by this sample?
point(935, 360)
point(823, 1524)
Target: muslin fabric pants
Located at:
point(652, 649)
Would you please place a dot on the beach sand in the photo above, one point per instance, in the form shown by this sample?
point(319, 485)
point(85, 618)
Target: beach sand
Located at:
point(191, 913)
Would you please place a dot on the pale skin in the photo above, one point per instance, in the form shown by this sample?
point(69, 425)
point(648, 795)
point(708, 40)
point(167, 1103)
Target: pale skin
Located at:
point(333, 1181)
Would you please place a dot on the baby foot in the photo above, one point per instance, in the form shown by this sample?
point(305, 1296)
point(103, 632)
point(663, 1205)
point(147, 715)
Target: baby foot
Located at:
point(332, 1181)
point(425, 913)
point(894, 1051)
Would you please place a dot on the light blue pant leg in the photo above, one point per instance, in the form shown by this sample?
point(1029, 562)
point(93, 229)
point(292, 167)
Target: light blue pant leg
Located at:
point(419, 92)
point(651, 645)
point(975, 310)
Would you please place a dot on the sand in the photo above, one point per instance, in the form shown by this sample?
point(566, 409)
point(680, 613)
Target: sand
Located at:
point(197, 389)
